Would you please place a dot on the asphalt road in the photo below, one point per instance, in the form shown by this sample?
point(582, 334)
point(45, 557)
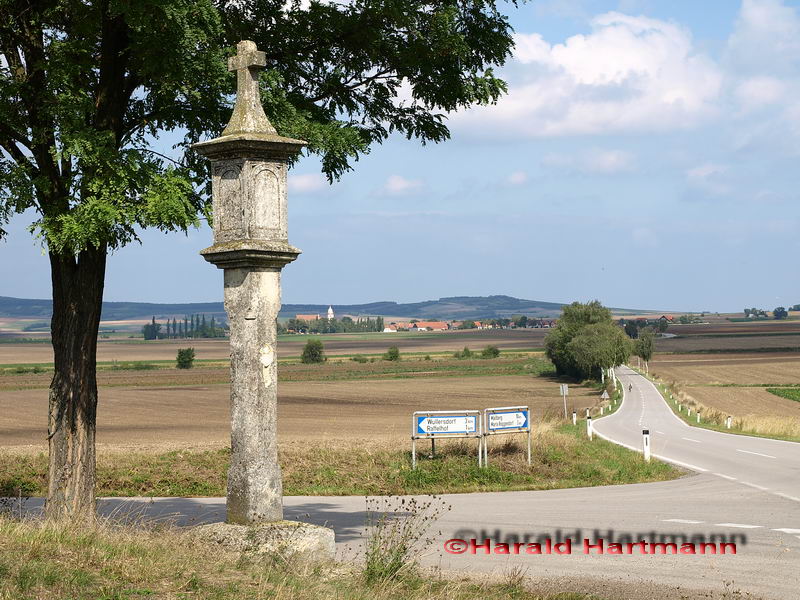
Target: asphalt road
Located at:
point(745, 491)
point(770, 466)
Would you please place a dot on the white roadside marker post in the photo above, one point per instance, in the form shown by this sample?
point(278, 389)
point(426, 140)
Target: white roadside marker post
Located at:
point(587, 413)
point(646, 444)
point(602, 409)
point(589, 428)
point(698, 416)
point(574, 418)
point(689, 411)
point(728, 421)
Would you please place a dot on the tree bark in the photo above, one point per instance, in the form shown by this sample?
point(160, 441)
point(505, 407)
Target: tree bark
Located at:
point(77, 301)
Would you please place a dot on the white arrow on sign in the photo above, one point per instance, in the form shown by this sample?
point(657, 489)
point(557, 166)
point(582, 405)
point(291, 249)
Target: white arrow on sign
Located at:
point(509, 420)
point(447, 424)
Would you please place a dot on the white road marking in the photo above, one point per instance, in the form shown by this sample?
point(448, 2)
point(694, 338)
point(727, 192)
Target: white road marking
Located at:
point(661, 432)
point(689, 521)
point(787, 496)
point(787, 530)
point(753, 485)
point(728, 477)
point(691, 440)
point(739, 525)
point(756, 453)
point(680, 463)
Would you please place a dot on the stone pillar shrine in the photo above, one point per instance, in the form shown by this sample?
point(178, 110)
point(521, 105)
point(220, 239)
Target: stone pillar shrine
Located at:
point(249, 164)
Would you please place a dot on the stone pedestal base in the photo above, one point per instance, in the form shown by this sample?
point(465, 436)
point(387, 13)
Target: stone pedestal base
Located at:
point(298, 542)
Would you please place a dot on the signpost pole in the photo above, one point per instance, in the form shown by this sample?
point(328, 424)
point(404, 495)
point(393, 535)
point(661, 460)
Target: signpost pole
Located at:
point(433, 447)
point(413, 452)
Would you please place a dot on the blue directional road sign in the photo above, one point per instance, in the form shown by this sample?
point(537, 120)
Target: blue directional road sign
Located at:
point(455, 424)
point(512, 419)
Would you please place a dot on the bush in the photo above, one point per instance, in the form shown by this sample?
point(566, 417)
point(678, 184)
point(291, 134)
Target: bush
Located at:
point(313, 353)
point(185, 358)
point(490, 352)
point(393, 353)
point(465, 353)
point(359, 359)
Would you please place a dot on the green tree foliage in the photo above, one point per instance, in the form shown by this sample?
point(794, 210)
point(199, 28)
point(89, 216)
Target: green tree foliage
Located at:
point(152, 331)
point(313, 352)
point(632, 329)
point(467, 325)
point(598, 346)
point(490, 352)
point(780, 313)
point(393, 353)
point(585, 340)
point(344, 325)
point(87, 85)
point(185, 358)
point(643, 348)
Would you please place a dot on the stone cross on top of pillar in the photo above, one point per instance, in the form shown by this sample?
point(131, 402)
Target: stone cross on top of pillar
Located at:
point(248, 114)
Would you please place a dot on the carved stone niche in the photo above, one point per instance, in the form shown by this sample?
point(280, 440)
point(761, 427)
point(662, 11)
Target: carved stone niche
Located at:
point(249, 199)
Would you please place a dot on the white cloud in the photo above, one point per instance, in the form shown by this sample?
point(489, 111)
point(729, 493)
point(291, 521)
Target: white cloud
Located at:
point(709, 178)
point(306, 183)
point(705, 171)
point(766, 38)
point(518, 178)
point(596, 161)
point(757, 92)
point(397, 185)
point(609, 161)
point(630, 74)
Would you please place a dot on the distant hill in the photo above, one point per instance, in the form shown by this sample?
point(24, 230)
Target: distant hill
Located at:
point(456, 307)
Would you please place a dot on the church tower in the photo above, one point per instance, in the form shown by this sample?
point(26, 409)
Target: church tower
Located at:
point(330, 313)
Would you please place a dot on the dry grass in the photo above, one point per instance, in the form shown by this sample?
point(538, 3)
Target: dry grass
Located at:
point(106, 561)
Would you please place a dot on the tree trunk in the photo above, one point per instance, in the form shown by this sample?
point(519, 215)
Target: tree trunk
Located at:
point(77, 301)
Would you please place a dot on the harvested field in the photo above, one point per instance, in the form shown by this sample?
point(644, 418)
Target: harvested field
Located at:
point(736, 385)
point(741, 402)
point(197, 415)
point(730, 344)
point(122, 351)
point(736, 328)
point(741, 369)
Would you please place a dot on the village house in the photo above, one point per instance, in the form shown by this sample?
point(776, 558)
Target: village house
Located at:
point(307, 317)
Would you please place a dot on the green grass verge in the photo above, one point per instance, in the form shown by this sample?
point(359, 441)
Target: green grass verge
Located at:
point(562, 457)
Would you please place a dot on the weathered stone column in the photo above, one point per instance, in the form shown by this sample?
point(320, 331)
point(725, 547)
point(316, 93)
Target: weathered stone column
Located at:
point(249, 165)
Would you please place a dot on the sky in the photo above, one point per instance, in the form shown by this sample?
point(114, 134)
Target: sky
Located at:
point(646, 155)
